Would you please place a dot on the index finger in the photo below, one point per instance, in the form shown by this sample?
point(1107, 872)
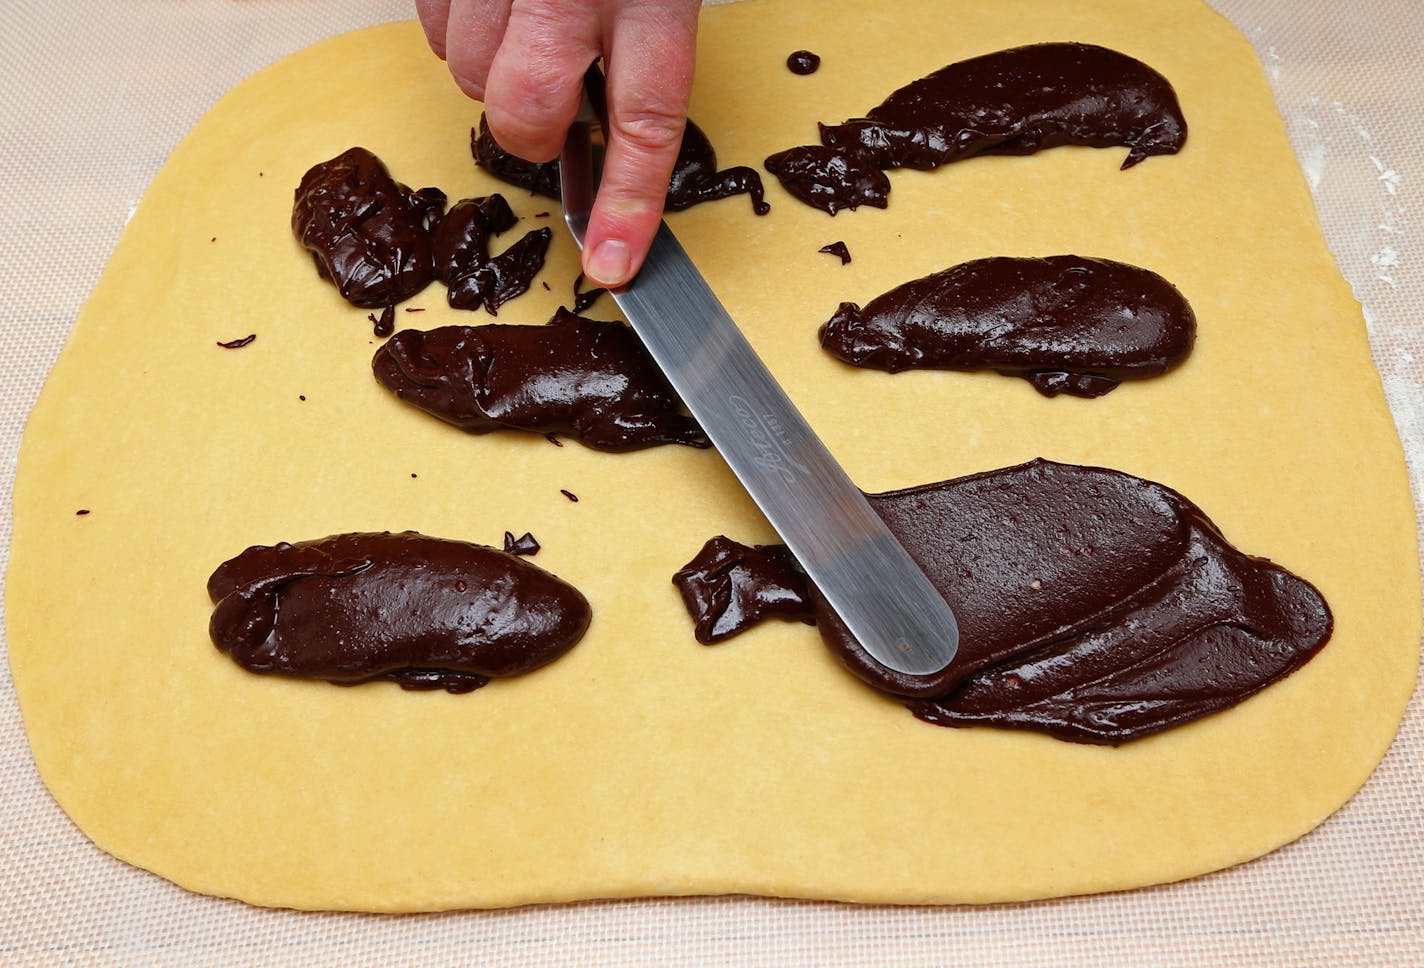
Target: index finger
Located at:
point(650, 63)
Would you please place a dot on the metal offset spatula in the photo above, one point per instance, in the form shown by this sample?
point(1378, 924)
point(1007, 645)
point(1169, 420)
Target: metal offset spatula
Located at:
point(865, 574)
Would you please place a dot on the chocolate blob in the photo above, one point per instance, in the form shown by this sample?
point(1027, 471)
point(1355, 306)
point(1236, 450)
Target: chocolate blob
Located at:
point(1067, 324)
point(695, 178)
point(463, 261)
point(1094, 606)
point(587, 379)
point(1010, 102)
point(837, 249)
point(730, 587)
point(369, 234)
point(802, 62)
point(830, 179)
point(423, 612)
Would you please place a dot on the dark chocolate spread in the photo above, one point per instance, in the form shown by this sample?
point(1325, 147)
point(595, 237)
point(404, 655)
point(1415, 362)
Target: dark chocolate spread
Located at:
point(587, 379)
point(463, 261)
point(1011, 102)
point(803, 62)
point(695, 178)
point(837, 249)
point(369, 234)
point(730, 587)
point(1067, 324)
point(237, 344)
point(1093, 605)
point(423, 612)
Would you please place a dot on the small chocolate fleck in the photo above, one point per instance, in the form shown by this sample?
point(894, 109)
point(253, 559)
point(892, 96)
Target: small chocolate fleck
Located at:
point(413, 475)
point(541, 214)
point(301, 396)
point(803, 62)
point(837, 249)
point(213, 239)
point(554, 439)
point(81, 512)
point(415, 309)
point(569, 494)
point(237, 344)
point(525, 544)
point(545, 285)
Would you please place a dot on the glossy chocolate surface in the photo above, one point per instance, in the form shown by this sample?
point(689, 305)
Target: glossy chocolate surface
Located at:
point(1093, 605)
point(423, 612)
point(837, 249)
point(1010, 102)
point(369, 234)
point(695, 178)
point(1067, 324)
point(729, 587)
point(587, 379)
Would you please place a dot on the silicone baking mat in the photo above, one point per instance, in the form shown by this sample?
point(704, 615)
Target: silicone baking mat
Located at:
point(94, 94)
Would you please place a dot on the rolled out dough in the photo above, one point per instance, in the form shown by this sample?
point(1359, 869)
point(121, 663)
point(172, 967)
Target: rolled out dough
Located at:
point(643, 763)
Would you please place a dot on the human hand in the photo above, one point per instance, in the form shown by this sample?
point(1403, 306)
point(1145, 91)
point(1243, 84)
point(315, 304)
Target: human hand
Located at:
point(526, 60)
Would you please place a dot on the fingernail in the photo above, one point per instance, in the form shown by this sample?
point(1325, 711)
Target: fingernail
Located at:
point(609, 263)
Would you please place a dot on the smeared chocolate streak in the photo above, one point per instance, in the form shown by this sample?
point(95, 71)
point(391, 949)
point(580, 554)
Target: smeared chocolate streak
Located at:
point(1011, 102)
point(423, 612)
point(695, 178)
point(1094, 606)
point(587, 379)
point(1067, 324)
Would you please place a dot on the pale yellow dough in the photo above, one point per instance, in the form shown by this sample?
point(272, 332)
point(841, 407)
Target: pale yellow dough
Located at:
point(643, 763)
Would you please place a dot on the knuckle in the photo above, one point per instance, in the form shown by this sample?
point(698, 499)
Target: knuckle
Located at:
point(655, 129)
